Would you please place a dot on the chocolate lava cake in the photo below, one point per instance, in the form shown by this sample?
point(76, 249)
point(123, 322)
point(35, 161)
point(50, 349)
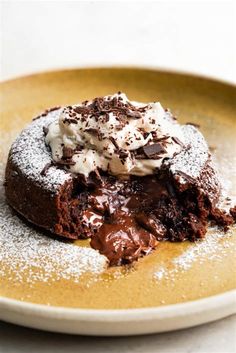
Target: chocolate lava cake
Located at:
point(125, 174)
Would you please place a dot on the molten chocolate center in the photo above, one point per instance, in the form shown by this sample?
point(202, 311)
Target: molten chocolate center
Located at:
point(126, 218)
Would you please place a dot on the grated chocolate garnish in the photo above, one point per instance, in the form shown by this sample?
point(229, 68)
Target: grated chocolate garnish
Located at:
point(100, 107)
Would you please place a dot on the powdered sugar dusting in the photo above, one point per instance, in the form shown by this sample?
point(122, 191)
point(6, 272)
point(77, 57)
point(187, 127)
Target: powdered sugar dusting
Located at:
point(31, 161)
point(195, 163)
point(192, 159)
point(211, 248)
point(227, 164)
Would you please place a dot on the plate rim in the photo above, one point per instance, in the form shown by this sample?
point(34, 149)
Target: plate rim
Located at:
point(146, 313)
point(165, 70)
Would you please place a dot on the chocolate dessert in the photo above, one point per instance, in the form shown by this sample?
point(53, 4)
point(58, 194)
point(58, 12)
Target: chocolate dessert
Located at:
point(125, 174)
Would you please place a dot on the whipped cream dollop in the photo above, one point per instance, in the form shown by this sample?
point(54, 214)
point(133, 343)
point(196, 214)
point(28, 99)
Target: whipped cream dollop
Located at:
point(115, 135)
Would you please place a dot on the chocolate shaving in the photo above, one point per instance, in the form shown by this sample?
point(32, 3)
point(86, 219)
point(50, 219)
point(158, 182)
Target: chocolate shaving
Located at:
point(138, 154)
point(45, 130)
point(73, 121)
point(96, 133)
point(193, 124)
point(78, 148)
point(45, 169)
point(133, 114)
point(163, 140)
point(91, 131)
point(67, 152)
point(119, 127)
point(186, 176)
point(65, 162)
point(160, 139)
point(70, 121)
point(153, 151)
point(96, 171)
point(143, 109)
point(111, 138)
point(123, 153)
point(45, 113)
point(177, 140)
point(145, 134)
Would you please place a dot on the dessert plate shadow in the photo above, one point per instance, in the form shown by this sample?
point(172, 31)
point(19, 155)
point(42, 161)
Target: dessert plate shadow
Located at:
point(180, 284)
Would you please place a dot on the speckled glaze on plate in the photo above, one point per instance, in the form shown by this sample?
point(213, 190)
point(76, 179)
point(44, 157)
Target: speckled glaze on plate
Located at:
point(175, 277)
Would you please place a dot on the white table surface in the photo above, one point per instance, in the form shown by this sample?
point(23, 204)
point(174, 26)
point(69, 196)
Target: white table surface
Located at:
point(184, 35)
point(195, 36)
point(217, 337)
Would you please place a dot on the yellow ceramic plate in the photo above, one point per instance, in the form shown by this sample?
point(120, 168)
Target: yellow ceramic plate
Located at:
point(152, 295)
